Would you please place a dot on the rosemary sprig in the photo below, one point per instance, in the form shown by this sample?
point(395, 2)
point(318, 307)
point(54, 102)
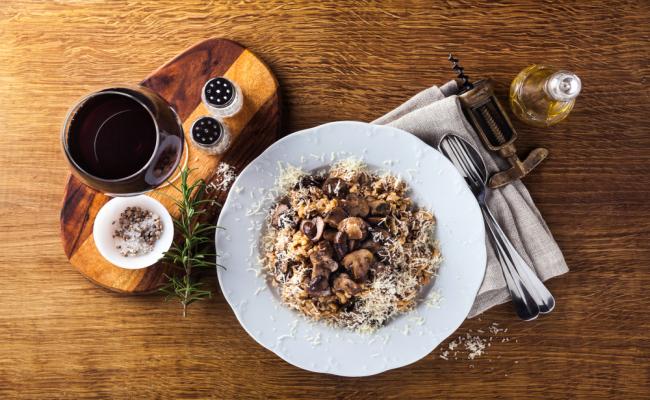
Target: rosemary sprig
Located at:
point(190, 250)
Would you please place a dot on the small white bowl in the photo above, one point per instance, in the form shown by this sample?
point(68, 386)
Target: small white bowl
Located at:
point(103, 229)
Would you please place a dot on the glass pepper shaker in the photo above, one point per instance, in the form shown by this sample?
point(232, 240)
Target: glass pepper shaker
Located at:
point(222, 97)
point(210, 135)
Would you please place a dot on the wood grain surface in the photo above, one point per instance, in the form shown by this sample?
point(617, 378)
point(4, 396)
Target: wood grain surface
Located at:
point(180, 82)
point(62, 337)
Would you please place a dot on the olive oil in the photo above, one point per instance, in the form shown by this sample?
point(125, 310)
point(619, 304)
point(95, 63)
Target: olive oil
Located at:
point(542, 95)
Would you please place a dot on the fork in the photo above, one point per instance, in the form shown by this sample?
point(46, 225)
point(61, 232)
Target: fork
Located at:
point(528, 293)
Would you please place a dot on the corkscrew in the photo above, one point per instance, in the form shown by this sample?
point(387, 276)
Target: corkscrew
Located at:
point(463, 80)
point(488, 118)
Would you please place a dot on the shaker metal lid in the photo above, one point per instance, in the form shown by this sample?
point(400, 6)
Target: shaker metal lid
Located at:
point(206, 131)
point(219, 92)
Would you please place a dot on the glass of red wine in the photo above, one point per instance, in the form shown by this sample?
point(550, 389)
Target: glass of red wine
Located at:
point(123, 141)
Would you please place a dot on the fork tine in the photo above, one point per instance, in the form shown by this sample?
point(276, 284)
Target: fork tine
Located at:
point(446, 149)
point(469, 162)
point(453, 152)
point(461, 154)
point(480, 172)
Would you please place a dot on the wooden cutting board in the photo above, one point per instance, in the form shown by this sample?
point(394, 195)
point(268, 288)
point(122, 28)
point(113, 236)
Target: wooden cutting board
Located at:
point(180, 82)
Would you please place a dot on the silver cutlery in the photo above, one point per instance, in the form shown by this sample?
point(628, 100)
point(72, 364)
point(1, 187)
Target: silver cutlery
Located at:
point(528, 293)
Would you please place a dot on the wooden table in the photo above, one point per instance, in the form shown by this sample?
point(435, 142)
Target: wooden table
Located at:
point(62, 337)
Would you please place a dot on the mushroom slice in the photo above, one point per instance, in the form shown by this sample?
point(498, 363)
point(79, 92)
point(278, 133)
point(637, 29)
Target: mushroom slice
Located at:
point(358, 262)
point(329, 234)
point(308, 227)
point(329, 265)
point(313, 229)
point(343, 283)
point(307, 181)
point(335, 187)
point(320, 227)
point(363, 178)
point(376, 221)
point(356, 206)
point(371, 246)
point(322, 251)
point(322, 257)
point(355, 227)
point(322, 267)
point(353, 245)
point(319, 286)
point(340, 244)
point(320, 270)
point(379, 208)
point(335, 216)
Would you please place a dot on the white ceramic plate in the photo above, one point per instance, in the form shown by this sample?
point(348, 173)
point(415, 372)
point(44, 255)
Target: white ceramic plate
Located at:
point(435, 184)
point(103, 229)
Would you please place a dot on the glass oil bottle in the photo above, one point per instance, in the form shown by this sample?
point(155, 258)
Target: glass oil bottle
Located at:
point(542, 95)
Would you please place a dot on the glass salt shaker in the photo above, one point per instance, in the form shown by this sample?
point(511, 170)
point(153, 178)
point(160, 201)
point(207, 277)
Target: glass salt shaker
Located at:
point(222, 97)
point(210, 135)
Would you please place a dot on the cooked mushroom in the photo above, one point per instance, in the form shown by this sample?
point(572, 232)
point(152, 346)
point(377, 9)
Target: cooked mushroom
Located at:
point(343, 283)
point(363, 178)
point(335, 187)
point(335, 216)
point(376, 221)
point(356, 206)
point(341, 244)
point(359, 262)
point(371, 246)
point(329, 264)
point(322, 266)
point(320, 270)
point(329, 234)
point(353, 245)
point(308, 227)
point(308, 181)
point(322, 250)
point(278, 219)
point(379, 207)
point(355, 227)
point(320, 227)
point(313, 229)
point(319, 286)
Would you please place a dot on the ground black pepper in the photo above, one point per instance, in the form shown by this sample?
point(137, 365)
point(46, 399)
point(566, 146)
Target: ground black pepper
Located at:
point(137, 232)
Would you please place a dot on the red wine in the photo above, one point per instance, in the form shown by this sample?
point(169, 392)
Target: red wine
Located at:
point(123, 141)
point(112, 136)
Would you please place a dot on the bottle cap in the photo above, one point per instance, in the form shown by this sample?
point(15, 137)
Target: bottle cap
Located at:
point(563, 86)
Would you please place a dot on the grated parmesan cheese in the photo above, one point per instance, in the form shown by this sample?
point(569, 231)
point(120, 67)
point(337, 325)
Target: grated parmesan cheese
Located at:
point(288, 176)
point(474, 346)
point(223, 178)
point(433, 299)
point(314, 340)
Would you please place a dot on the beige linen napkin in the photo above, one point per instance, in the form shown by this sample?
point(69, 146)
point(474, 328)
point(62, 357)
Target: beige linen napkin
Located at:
point(436, 111)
